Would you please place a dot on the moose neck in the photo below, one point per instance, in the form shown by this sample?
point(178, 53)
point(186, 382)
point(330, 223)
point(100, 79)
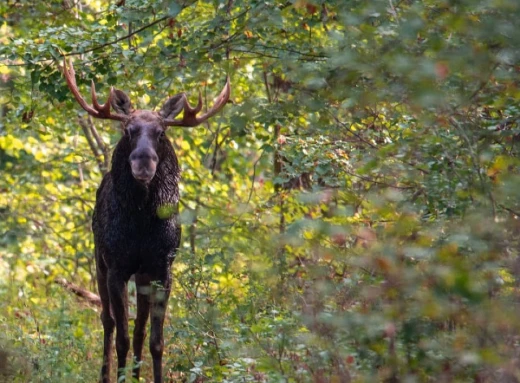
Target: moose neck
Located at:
point(135, 196)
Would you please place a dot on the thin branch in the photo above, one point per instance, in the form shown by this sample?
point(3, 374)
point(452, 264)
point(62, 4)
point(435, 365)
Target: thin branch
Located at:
point(217, 148)
point(101, 145)
point(483, 84)
point(266, 83)
point(98, 47)
point(74, 53)
point(93, 147)
point(475, 162)
point(393, 11)
point(310, 55)
point(358, 136)
point(509, 210)
point(385, 184)
point(362, 139)
point(253, 180)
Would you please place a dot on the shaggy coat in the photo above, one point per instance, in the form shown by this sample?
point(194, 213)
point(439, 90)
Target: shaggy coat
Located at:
point(136, 233)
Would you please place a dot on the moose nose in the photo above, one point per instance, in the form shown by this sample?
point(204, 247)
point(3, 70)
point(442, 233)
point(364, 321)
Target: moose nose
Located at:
point(143, 162)
point(144, 154)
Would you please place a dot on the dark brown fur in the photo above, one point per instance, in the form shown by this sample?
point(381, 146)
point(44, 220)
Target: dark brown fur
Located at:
point(135, 230)
point(136, 233)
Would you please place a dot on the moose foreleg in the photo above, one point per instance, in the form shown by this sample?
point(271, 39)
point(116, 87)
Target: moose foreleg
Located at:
point(108, 335)
point(117, 290)
point(160, 297)
point(143, 311)
point(107, 320)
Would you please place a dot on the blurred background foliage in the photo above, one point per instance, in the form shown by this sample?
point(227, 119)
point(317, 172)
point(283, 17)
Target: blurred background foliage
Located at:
point(351, 216)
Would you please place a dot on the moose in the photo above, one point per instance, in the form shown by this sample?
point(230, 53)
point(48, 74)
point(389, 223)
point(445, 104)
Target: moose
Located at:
point(135, 229)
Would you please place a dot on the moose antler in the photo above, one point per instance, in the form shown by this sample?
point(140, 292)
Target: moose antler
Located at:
point(96, 110)
point(190, 113)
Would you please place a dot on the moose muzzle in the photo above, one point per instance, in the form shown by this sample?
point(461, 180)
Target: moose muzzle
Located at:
point(143, 161)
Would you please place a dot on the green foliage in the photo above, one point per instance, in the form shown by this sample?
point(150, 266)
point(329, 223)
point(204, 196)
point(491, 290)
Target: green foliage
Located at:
point(352, 215)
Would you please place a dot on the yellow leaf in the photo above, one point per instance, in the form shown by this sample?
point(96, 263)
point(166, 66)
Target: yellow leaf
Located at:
point(78, 332)
point(185, 145)
point(11, 145)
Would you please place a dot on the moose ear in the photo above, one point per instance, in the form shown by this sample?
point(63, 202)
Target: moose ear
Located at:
point(121, 102)
point(173, 106)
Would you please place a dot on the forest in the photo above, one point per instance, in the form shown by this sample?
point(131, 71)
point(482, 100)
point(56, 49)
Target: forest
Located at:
point(352, 214)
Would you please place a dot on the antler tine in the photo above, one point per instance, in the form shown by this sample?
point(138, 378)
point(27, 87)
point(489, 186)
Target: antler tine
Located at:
point(197, 109)
point(96, 110)
point(190, 118)
point(220, 102)
point(104, 110)
point(70, 77)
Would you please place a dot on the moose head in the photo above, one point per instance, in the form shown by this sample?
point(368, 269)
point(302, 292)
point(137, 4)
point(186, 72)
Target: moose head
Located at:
point(145, 129)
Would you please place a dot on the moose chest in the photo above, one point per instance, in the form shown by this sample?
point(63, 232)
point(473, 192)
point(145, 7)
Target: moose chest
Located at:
point(134, 236)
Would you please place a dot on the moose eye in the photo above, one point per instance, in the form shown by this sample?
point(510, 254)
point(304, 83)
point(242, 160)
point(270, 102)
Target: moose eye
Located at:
point(132, 131)
point(162, 134)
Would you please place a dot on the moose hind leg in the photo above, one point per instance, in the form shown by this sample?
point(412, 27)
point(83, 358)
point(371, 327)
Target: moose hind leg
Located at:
point(117, 288)
point(160, 295)
point(106, 320)
point(143, 311)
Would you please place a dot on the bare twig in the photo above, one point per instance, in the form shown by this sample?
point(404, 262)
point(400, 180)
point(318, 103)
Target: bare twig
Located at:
point(101, 145)
point(91, 143)
point(393, 11)
point(266, 83)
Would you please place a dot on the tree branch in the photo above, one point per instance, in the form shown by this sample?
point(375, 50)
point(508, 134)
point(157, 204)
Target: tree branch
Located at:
point(91, 143)
point(74, 53)
point(79, 291)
